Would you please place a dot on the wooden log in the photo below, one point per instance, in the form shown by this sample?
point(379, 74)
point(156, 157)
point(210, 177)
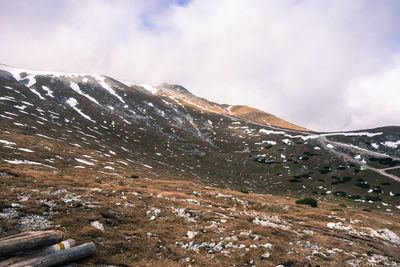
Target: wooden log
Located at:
point(41, 252)
point(60, 257)
point(29, 241)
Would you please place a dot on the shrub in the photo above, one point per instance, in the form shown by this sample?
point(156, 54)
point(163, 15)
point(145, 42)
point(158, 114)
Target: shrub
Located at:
point(339, 194)
point(377, 190)
point(343, 205)
point(363, 185)
point(324, 171)
point(372, 198)
point(336, 209)
point(307, 201)
point(134, 176)
point(355, 197)
point(244, 190)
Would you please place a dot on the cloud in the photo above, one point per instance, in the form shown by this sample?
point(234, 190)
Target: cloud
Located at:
point(310, 62)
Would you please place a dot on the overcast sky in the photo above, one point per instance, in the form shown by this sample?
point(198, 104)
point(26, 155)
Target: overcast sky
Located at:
point(325, 65)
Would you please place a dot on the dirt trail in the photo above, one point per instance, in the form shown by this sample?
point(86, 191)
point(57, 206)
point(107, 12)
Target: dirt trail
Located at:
point(324, 142)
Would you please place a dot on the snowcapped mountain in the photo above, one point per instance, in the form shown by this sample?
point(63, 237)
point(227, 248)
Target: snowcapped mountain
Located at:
point(75, 143)
point(109, 125)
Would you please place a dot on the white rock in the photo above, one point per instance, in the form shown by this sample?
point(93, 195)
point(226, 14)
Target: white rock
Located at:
point(265, 256)
point(98, 225)
point(267, 246)
point(191, 234)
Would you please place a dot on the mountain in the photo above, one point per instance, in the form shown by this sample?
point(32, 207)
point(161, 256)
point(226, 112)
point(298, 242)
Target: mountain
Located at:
point(101, 150)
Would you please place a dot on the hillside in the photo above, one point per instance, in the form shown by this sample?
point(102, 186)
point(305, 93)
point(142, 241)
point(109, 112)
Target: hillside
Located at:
point(73, 145)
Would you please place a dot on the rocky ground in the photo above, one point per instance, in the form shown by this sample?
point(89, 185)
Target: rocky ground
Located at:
point(150, 222)
point(156, 176)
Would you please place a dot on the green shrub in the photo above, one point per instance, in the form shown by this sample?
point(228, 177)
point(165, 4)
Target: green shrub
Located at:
point(355, 197)
point(307, 201)
point(343, 205)
point(134, 176)
point(244, 190)
point(324, 171)
point(363, 185)
point(336, 209)
point(339, 194)
point(377, 190)
point(372, 198)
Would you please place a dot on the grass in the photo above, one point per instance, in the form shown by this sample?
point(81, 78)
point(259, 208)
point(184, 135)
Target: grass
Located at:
point(308, 201)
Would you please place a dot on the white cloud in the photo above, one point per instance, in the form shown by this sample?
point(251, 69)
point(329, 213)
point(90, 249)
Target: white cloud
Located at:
point(374, 100)
point(301, 60)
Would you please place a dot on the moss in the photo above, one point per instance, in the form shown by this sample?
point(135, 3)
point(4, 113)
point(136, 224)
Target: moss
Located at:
point(308, 201)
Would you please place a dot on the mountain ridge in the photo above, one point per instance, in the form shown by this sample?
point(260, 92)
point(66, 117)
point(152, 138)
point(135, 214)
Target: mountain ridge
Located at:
point(170, 176)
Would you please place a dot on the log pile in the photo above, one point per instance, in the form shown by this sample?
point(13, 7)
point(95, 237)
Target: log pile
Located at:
point(42, 248)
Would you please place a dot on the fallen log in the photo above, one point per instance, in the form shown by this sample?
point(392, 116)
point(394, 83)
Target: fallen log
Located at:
point(60, 257)
point(28, 241)
point(40, 252)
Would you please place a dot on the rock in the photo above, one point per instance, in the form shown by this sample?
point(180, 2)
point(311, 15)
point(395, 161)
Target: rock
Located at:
point(32, 222)
point(267, 246)
point(98, 225)
point(265, 256)
point(16, 205)
point(191, 234)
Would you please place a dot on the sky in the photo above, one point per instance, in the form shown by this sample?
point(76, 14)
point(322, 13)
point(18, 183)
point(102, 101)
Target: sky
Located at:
point(325, 65)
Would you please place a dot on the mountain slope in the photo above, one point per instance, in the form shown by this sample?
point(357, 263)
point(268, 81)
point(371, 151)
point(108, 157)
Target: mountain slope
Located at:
point(81, 131)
